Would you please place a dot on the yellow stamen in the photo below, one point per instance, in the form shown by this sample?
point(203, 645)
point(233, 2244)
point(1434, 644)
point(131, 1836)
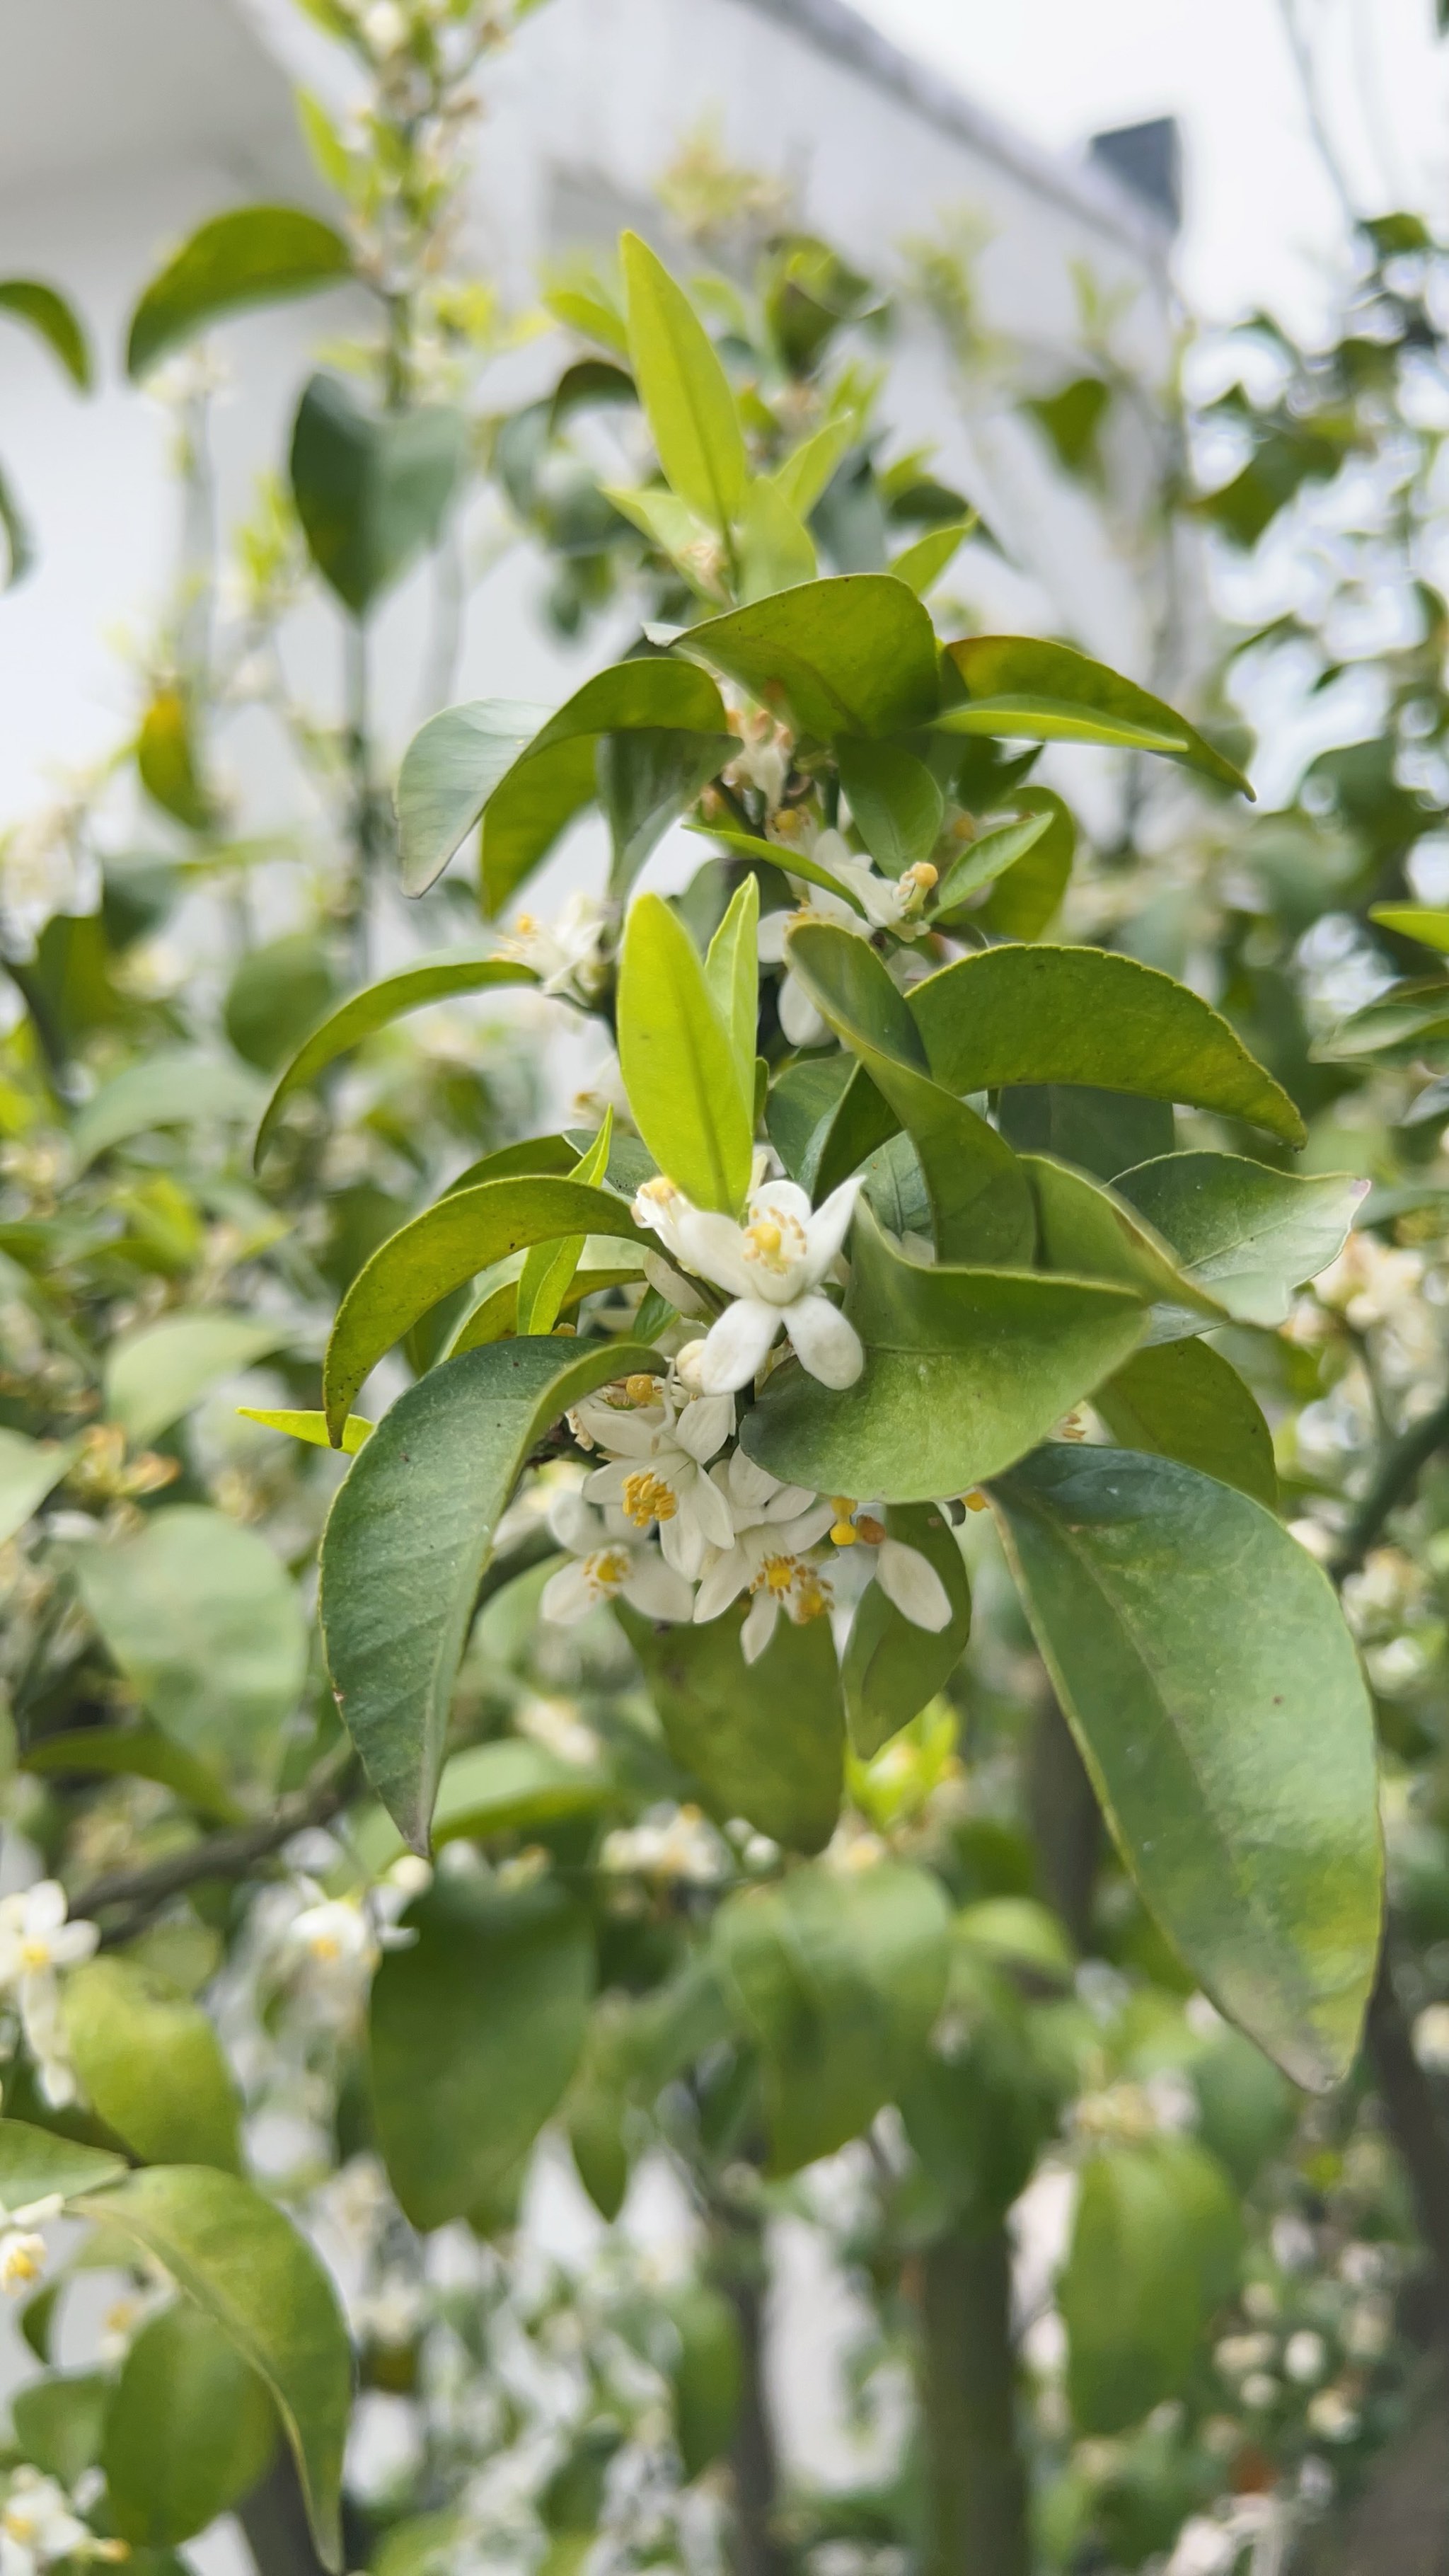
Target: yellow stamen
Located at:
point(647, 1498)
point(812, 1597)
point(641, 1388)
point(922, 875)
point(976, 1502)
point(35, 1954)
point(763, 1238)
point(22, 2265)
point(525, 925)
point(787, 823)
point(844, 1534)
point(608, 1568)
point(776, 1575)
point(325, 1946)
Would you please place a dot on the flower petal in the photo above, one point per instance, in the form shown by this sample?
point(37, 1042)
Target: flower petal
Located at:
point(606, 1484)
point(710, 1511)
point(713, 1247)
point(683, 1543)
point(825, 1342)
point(736, 1346)
point(572, 1523)
point(828, 1227)
point(568, 1596)
point(759, 1626)
point(654, 1588)
point(704, 1426)
point(911, 1582)
point(723, 1582)
point(799, 1019)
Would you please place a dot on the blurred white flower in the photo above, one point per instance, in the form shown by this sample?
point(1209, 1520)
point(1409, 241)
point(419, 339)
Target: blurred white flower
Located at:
point(1333, 2416)
point(563, 954)
point(669, 1843)
point(38, 2526)
point(36, 1942)
point(773, 1267)
point(1305, 2357)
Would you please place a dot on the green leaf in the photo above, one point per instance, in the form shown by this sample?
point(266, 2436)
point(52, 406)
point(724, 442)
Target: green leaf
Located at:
point(48, 314)
point(548, 1268)
point(732, 972)
point(135, 1752)
point(1083, 1015)
point(152, 2066)
point(648, 775)
point(965, 1370)
point(448, 773)
point(512, 1786)
point(765, 1740)
point(589, 312)
point(807, 470)
point(1247, 2112)
point(1184, 1400)
point(826, 1119)
point(980, 864)
point(1031, 692)
point(897, 805)
point(838, 1977)
point(409, 1535)
point(1105, 1132)
point(707, 2375)
point(247, 2267)
point(36, 2164)
point(777, 854)
point(464, 1235)
point(921, 565)
point(1421, 921)
point(495, 1315)
point(277, 996)
point(684, 390)
point(178, 1087)
point(372, 489)
point(60, 2422)
point(1248, 1235)
point(685, 1086)
point(475, 2032)
point(1025, 897)
point(255, 255)
point(776, 549)
point(1215, 1693)
point(189, 2431)
point(855, 655)
point(1089, 1231)
point(1410, 1020)
point(19, 544)
point(168, 760)
point(1154, 2249)
point(981, 1200)
point(310, 1428)
point(29, 1470)
point(155, 1375)
point(207, 1629)
point(893, 1668)
point(558, 774)
point(413, 988)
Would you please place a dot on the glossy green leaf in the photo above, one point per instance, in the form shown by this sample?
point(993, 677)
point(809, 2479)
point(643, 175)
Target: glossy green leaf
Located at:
point(548, 1268)
point(1032, 692)
point(37, 2164)
point(648, 775)
point(685, 1085)
point(1423, 921)
point(56, 322)
point(207, 1629)
point(855, 655)
point(310, 1428)
point(1105, 1132)
point(838, 1976)
point(776, 551)
point(981, 1200)
point(765, 1740)
point(448, 773)
point(189, 2430)
point(1183, 1400)
point(965, 1371)
point(685, 392)
point(413, 988)
point(825, 1119)
point(372, 489)
point(1248, 1235)
point(157, 1373)
point(1090, 1232)
point(259, 2280)
point(1215, 1693)
point(152, 2066)
point(897, 805)
point(464, 1235)
point(893, 1668)
point(981, 862)
point(409, 1535)
point(1084, 1015)
point(558, 774)
point(178, 1087)
point(1025, 898)
point(732, 972)
point(494, 1315)
point(29, 1470)
point(475, 2031)
point(1154, 2250)
point(135, 1752)
point(254, 255)
point(921, 565)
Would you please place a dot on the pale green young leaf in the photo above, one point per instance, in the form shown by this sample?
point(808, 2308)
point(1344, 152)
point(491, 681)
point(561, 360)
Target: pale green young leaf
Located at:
point(897, 805)
point(1423, 921)
point(409, 1536)
point(732, 972)
point(189, 2430)
point(684, 1083)
point(766, 1740)
point(589, 312)
point(1183, 1400)
point(1031, 692)
point(37, 2164)
point(921, 565)
point(151, 2064)
point(982, 861)
point(1233, 1754)
point(548, 1268)
point(310, 1428)
point(776, 550)
point(685, 392)
point(806, 471)
point(29, 1470)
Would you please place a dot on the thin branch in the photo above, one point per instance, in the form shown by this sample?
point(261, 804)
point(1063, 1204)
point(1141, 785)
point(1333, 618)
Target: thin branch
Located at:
point(1398, 1471)
point(224, 1855)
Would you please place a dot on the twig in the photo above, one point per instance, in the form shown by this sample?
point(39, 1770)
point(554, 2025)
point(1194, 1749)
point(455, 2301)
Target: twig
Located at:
point(224, 1855)
point(1408, 1454)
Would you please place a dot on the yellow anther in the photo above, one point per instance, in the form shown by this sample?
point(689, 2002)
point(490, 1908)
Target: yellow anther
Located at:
point(647, 1498)
point(812, 1596)
point(608, 1568)
point(842, 1505)
point(777, 1575)
point(976, 1502)
point(872, 1531)
point(844, 1534)
point(325, 1946)
point(922, 875)
point(764, 1238)
point(525, 925)
point(787, 823)
point(641, 1388)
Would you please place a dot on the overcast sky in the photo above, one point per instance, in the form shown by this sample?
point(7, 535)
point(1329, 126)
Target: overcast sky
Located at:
point(1263, 223)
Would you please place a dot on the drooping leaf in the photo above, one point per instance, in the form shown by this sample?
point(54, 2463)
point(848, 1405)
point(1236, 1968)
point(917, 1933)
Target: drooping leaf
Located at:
point(46, 312)
point(254, 255)
point(1214, 1690)
point(965, 1371)
point(684, 390)
point(372, 489)
point(29, 1470)
point(1248, 1235)
point(189, 2430)
point(475, 2031)
point(892, 1668)
point(464, 1235)
point(179, 1087)
point(259, 2280)
point(36, 2164)
point(981, 1200)
point(1033, 692)
point(1154, 2250)
point(855, 655)
point(1084, 1015)
point(897, 805)
point(1183, 1400)
point(838, 1978)
point(765, 1740)
point(152, 2066)
point(448, 773)
point(206, 1627)
point(157, 1373)
point(677, 1058)
point(413, 988)
point(409, 1535)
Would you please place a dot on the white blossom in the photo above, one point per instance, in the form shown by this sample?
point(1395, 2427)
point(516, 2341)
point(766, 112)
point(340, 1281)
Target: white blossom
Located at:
point(657, 1473)
point(773, 1267)
point(669, 1843)
point(880, 903)
point(907, 1577)
point(563, 954)
point(36, 1941)
point(38, 2526)
point(610, 1563)
point(774, 1526)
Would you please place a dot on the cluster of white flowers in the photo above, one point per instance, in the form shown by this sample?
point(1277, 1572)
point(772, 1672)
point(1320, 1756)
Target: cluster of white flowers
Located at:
point(36, 1942)
point(678, 1523)
point(565, 955)
point(39, 2526)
